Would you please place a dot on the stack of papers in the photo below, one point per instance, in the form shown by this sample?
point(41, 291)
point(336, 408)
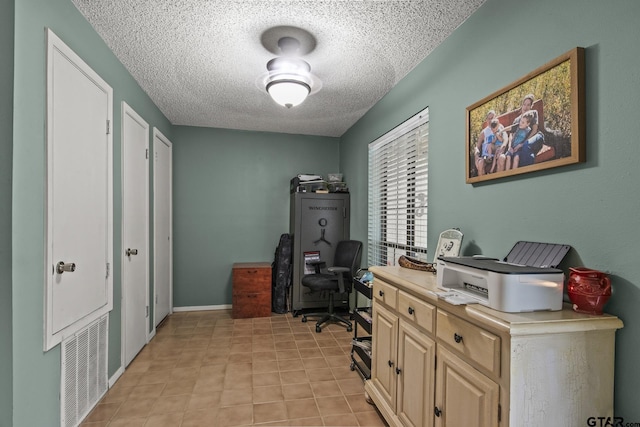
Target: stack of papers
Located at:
point(455, 298)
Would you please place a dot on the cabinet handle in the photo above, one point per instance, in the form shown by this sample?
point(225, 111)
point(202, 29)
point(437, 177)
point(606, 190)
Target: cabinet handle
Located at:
point(457, 338)
point(437, 411)
point(398, 370)
point(381, 293)
point(390, 363)
point(411, 310)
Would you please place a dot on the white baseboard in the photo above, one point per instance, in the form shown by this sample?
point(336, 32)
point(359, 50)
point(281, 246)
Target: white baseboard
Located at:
point(115, 376)
point(203, 308)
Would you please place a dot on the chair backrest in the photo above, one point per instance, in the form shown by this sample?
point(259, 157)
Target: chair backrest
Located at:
point(348, 254)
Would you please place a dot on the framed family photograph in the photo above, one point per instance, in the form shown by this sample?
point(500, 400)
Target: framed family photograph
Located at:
point(535, 123)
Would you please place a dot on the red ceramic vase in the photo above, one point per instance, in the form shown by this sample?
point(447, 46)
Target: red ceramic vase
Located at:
point(588, 290)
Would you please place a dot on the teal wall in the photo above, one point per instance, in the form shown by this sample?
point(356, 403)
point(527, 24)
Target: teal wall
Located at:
point(36, 375)
point(6, 157)
point(592, 206)
point(231, 202)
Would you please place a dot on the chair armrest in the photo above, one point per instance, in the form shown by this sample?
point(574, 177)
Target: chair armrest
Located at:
point(339, 271)
point(317, 265)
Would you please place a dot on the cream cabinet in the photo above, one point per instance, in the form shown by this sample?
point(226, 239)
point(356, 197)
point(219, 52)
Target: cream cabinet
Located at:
point(436, 364)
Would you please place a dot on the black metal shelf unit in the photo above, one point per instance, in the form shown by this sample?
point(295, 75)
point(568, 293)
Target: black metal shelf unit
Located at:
point(361, 344)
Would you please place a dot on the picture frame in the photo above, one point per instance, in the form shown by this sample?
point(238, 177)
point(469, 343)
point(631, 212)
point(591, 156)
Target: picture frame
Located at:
point(535, 123)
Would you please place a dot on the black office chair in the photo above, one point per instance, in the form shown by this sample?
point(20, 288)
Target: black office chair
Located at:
point(337, 280)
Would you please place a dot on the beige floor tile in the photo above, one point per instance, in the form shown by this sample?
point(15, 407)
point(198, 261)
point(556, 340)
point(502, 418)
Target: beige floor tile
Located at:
point(234, 416)
point(204, 401)
point(302, 408)
point(267, 394)
point(290, 365)
point(358, 403)
point(128, 422)
point(170, 404)
point(146, 391)
point(315, 363)
point(261, 379)
point(235, 397)
point(165, 420)
point(134, 409)
point(297, 391)
point(269, 412)
point(293, 377)
point(340, 420)
point(370, 419)
point(316, 375)
point(103, 412)
point(326, 388)
point(200, 418)
point(351, 385)
point(317, 421)
point(207, 369)
point(333, 405)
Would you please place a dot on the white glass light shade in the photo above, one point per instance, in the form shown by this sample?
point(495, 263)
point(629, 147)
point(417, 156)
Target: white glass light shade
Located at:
point(288, 92)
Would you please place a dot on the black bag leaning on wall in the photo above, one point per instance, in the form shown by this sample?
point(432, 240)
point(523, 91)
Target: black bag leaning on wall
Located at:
point(281, 271)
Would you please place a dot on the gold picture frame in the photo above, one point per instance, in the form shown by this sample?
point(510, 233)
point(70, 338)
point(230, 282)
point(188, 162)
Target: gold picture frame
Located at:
point(535, 123)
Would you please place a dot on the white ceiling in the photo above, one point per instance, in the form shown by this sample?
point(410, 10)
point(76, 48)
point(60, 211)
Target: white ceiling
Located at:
point(203, 61)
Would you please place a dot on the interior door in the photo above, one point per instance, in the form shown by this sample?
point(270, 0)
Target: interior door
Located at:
point(135, 232)
point(162, 217)
point(79, 193)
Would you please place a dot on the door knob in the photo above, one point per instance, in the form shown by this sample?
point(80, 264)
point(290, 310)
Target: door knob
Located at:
point(130, 252)
point(62, 267)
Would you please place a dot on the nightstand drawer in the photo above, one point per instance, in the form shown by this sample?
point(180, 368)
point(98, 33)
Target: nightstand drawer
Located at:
point(251, 277)
point(470, 341)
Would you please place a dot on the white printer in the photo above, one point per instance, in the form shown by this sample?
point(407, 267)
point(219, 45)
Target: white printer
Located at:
point(526, 280)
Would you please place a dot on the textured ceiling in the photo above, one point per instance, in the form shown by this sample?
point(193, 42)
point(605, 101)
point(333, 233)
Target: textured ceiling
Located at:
point(203, 61)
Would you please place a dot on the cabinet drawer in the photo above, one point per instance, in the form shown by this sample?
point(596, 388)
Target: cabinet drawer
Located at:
point(385, 293)
point(470, 341)
point(251, 304)
point(251, 279)
point(422, 313)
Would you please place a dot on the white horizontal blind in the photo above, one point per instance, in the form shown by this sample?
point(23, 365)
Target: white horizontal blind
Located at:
point(398, 170)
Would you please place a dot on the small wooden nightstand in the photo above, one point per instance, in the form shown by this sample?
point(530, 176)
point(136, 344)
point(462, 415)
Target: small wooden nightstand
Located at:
point(251, 290)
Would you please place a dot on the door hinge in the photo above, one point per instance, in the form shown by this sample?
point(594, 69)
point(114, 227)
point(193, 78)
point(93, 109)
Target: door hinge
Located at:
point(108, 127)
point(108, 270)
point(344, 212)
point(147, 313)
point(435, 360)
point(146, 154)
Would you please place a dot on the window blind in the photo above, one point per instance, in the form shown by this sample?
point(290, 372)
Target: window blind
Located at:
point(397, 210)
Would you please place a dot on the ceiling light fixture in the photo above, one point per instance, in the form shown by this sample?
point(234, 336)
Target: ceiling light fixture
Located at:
point(289, 81)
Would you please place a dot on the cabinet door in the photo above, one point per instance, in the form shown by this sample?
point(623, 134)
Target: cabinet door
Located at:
point(383, 359)
point(416, 376)
point(464, 396)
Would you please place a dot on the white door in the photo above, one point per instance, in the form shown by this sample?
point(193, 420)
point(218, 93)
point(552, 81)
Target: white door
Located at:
point(162, 215)
point(135, 232)
point(79, 194)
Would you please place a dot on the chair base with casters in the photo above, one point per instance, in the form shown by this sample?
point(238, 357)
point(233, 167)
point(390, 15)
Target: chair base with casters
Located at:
point(337, 280)
point(328, 316)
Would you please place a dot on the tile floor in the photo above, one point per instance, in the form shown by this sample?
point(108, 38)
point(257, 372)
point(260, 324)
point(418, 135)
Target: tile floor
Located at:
point(206, 369)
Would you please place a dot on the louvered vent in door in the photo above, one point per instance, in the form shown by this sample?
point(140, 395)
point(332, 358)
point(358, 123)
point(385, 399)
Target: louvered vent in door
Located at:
point(84, 372)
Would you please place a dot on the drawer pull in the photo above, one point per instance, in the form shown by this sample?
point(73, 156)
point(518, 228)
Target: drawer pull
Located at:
point(437, 411)
point(398, 370)
point(457, 338)
point(390, 363)
point(381, 293)
point(411, 310)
